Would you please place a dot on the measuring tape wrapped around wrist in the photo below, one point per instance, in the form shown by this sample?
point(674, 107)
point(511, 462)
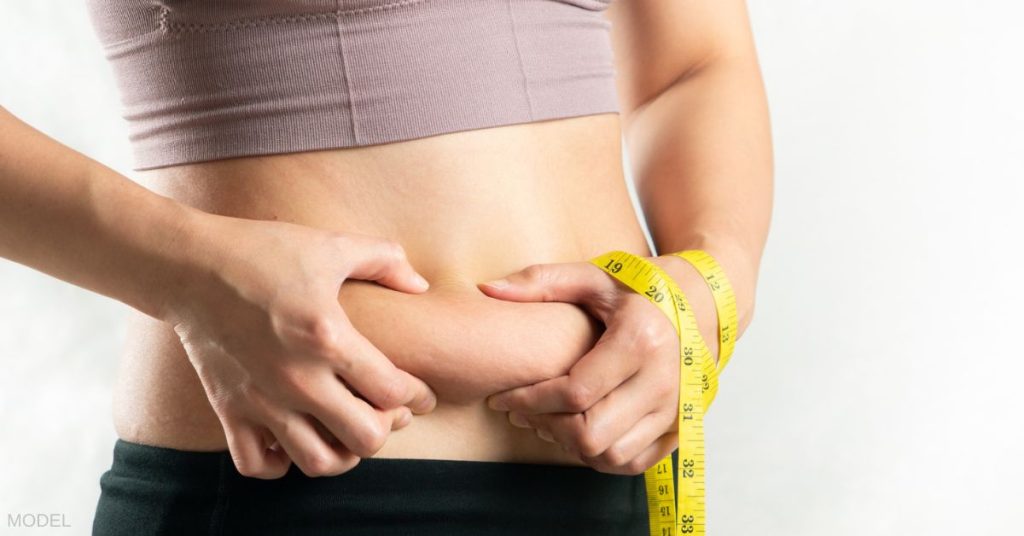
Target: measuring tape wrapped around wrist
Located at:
point(725, 300)
point(697, 386)
point(725, 307)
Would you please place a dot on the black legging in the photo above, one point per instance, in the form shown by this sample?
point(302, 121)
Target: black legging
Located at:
point(157, 491)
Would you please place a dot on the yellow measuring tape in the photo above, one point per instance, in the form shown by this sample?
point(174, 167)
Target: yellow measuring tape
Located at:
point(698, 382)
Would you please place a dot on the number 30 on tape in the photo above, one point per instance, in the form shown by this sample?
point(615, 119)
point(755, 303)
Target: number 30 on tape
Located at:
point(697, 387)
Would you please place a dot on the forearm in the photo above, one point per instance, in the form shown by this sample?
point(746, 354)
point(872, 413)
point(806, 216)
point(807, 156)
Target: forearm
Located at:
point(702, 161)
point(68, 216)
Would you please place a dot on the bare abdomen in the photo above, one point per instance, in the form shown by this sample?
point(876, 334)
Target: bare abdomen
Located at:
point(467, 207)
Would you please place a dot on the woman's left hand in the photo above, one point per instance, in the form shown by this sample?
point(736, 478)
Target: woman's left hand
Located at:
point(617, 407)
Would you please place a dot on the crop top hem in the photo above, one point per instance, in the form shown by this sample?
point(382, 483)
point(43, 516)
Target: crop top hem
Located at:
point(255, 142)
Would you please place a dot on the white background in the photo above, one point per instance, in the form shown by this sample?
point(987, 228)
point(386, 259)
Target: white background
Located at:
point(878, 390)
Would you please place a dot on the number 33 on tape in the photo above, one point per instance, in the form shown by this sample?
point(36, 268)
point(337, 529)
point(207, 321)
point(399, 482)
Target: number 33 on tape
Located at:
point(698, 384)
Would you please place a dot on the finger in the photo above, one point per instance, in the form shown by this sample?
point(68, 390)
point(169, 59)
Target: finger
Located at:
point(253, 455)
point(636, 440)
point(574, 282)
point(370, 373)
point(399, 417)
point(383, 261)
point(362, 428)
point(423, 400)
point(553, 425)
point(654, 452)
point(591, 433)
point(615, 357)
point(307, 447)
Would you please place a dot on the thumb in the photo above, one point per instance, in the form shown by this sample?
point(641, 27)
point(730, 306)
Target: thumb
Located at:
point(572, 282)
point(382, 261)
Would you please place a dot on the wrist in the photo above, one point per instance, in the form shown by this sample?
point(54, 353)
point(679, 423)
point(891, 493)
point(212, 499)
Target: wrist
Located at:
point(188, 257)
point(697, 293)
point(173, 258)
point(738, 264)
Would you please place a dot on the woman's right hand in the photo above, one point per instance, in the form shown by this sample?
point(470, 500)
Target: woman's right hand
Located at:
point(284, 369)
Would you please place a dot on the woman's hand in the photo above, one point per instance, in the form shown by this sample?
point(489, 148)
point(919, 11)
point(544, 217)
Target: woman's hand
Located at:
point(255, 303)
point(617, 406)
point(284, 369)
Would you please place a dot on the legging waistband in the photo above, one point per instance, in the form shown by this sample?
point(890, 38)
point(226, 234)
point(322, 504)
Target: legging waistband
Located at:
point(155, 491)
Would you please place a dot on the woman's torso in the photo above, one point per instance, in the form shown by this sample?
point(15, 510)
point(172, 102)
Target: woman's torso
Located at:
point(467, 207)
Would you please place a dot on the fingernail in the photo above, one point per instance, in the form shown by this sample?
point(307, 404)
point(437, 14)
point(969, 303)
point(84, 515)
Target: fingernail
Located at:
point(497, 283)
point(517, 419)
point(421, 281)
point(543, 434)
point(406, 418)
point(496, 403)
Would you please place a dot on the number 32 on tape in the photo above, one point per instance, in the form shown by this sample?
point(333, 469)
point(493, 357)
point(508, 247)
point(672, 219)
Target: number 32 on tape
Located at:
point(697, 387)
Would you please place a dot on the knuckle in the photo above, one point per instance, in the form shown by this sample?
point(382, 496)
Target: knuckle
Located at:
point(309, 331)
point(319, 334)
point(316, 463)
point(396, 251)
point(578, 397)
point(615, 457)
point(269, 471)
point(393, 393)
point(588, 443)
point(348, 462)
point(368, 441)
point(246, 467)
point(534, 272)
point(253, 467)
point(598, 465)
point(634, 467)
point(648, 337)
point(391, 251)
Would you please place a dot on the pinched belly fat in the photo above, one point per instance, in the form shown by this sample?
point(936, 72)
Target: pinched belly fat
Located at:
point(465, 344)
point(462, 343)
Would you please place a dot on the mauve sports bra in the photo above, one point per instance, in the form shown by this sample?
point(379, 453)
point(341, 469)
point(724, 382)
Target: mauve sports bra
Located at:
point(208, 79)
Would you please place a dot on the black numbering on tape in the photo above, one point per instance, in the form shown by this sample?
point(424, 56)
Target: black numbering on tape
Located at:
point(687, 522)
point(655, 294)
point(680, 304)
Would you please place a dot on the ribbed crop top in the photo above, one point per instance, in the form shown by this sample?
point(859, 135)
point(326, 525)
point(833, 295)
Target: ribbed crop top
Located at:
point(209, 79)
